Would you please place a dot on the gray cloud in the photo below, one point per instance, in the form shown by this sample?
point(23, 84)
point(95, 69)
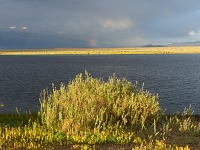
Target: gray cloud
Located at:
point(73, 23)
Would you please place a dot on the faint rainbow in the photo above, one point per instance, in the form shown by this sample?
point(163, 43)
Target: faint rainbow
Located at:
point(92, 42)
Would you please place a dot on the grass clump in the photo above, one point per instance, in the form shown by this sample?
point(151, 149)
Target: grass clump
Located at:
point(88, 103)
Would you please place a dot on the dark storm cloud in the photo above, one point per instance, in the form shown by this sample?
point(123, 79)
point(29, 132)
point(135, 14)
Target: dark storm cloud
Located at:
point(73, 23)
point(22, 40)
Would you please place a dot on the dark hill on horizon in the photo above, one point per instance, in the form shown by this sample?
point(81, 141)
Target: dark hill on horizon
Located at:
point(196, 43)
point(151, 45)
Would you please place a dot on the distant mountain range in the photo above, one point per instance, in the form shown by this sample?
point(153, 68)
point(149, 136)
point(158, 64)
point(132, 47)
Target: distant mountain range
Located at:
point(197, 43)
point(151, 45)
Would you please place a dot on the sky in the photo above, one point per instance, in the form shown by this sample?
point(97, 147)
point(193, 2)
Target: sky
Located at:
point(97, 23)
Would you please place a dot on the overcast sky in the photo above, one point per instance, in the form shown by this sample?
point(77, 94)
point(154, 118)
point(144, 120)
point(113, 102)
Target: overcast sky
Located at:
point(97, 23)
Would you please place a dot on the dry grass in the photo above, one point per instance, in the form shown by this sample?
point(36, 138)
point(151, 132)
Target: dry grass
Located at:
point(104, 51)
point(88, 103)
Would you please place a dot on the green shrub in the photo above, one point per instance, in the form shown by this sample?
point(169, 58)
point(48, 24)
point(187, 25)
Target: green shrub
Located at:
point(87, 103)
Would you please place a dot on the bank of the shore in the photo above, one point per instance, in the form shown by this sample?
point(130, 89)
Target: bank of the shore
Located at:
point(104, 51)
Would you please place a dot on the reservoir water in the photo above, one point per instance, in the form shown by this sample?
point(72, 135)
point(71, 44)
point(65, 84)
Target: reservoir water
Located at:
point(176, 78)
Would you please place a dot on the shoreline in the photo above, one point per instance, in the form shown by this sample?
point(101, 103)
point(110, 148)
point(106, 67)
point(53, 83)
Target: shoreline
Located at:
point(105, 51)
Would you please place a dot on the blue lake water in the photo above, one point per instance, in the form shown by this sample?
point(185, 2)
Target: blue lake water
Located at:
point(176, 78)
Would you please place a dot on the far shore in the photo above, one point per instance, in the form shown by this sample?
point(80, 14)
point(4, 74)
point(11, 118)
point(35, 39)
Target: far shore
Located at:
point(105, 51)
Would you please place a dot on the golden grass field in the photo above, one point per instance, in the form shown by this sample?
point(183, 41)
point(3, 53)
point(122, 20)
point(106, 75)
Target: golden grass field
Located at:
point(97, 51)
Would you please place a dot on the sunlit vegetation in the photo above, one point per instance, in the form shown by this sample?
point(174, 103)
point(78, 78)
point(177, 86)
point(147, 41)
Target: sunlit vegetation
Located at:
point(97, 51)
point(91, 113)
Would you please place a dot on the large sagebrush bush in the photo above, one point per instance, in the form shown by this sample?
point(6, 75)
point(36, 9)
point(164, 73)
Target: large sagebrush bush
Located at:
point(88, 102)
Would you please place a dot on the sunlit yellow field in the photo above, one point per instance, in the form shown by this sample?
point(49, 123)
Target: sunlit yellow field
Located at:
point(86, 51)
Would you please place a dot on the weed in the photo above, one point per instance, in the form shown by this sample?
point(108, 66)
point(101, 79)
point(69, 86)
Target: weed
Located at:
point(87, 103)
